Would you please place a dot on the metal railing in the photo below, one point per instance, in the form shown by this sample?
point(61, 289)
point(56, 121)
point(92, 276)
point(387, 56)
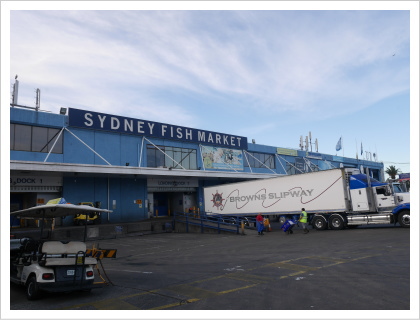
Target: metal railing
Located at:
point(216, 222)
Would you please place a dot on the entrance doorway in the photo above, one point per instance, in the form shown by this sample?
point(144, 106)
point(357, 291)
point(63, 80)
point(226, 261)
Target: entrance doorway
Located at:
point(161, 204)
point(166, 203)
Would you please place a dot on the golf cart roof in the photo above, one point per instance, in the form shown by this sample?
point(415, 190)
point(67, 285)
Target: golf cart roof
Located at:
point(50, 211)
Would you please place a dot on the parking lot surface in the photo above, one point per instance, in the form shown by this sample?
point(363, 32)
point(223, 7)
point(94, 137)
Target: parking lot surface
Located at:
point(367, 268)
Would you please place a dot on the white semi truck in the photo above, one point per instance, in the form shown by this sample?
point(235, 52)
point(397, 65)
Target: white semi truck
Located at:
point(335, 199)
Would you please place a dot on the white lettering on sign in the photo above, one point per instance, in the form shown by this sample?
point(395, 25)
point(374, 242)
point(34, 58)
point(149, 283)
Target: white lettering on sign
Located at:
point(99, 121)
point(115, 123)
point(201, 136)
point(179, 131)
point(151, 125)
point(128, 125)
point(140, 126)
point(188, 134)
point(88, 117)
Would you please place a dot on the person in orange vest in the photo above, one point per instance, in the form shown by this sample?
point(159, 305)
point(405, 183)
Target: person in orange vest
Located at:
point(260, 224)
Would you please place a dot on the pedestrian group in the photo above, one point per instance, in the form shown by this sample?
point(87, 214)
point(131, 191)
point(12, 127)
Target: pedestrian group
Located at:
point(303, 219)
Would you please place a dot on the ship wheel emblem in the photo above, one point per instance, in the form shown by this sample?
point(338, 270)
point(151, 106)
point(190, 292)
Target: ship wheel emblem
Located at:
point(218, 200)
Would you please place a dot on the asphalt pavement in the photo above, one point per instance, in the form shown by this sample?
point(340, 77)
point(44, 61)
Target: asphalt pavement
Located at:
point(328, 274)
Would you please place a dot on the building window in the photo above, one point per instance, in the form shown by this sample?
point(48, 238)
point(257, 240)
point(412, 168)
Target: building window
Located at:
point(35, 139)
point(260, 160)
point(185, 157)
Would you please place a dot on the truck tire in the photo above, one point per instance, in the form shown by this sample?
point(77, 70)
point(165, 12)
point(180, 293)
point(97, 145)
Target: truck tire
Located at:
point(32, 289)
point(319, 223)
point(404, 218)
point(336, 222)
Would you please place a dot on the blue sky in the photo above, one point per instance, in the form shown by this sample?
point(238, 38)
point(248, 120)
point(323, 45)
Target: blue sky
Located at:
point(270, 75)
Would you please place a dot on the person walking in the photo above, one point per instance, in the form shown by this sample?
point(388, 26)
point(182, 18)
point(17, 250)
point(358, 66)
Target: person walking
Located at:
point(303, 219)
point(260, 224)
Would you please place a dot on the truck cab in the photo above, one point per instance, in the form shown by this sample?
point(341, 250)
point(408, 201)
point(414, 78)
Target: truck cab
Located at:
point(369, 195)
point(400, 192)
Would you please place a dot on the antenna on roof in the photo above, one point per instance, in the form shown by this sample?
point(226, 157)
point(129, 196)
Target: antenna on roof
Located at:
point(15, 91)
point(37, 99)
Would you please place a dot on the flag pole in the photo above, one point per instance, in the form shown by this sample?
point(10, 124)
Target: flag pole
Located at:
point(357, 151)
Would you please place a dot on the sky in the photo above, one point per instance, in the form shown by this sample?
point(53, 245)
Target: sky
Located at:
point(271, 75)
point(268, 71)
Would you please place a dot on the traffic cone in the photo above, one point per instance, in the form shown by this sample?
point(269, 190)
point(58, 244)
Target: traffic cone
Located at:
point(269, 227)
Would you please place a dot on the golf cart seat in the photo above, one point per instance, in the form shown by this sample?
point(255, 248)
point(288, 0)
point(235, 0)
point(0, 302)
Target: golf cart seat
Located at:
point(58, 253)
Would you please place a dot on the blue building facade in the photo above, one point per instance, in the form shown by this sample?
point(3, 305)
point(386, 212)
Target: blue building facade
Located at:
point(139, 168)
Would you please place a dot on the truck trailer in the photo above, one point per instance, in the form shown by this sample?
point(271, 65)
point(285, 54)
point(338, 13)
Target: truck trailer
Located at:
point(334, 199)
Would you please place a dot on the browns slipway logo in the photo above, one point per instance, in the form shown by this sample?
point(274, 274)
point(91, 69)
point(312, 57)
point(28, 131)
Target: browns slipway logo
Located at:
point(280, 195)
point(267, 199)
point(218, 200)
point(241, 201)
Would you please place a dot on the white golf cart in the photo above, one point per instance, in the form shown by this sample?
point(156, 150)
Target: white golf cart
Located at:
point(52, 266)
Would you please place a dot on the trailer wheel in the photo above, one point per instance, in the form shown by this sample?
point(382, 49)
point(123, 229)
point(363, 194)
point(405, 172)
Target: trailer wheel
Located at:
point(336, 222)
point(32, 289)
point(404, 218)
point(319, 223)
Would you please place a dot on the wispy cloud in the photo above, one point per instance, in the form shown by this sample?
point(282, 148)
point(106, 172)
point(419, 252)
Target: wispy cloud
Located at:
point(279, 61)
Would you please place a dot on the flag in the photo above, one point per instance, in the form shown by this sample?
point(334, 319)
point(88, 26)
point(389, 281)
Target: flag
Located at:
point(338, 146)
point(361, 148)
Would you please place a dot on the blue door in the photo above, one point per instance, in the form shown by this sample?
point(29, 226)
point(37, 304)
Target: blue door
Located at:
point(161, 203)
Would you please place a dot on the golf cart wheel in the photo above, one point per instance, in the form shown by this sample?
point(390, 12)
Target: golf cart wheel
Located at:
point(32, 289)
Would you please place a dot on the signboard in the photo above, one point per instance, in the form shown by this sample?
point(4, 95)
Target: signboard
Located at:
point(171, 184)
point(29, 180)
point(34, 183)
point(300, 165)
point(222, 159)
point(112, 123)
point(314, 155)
point(287, 152)
point(404, 176)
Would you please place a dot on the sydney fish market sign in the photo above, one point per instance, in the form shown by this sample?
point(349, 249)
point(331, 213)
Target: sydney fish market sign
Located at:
point(102, 121)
